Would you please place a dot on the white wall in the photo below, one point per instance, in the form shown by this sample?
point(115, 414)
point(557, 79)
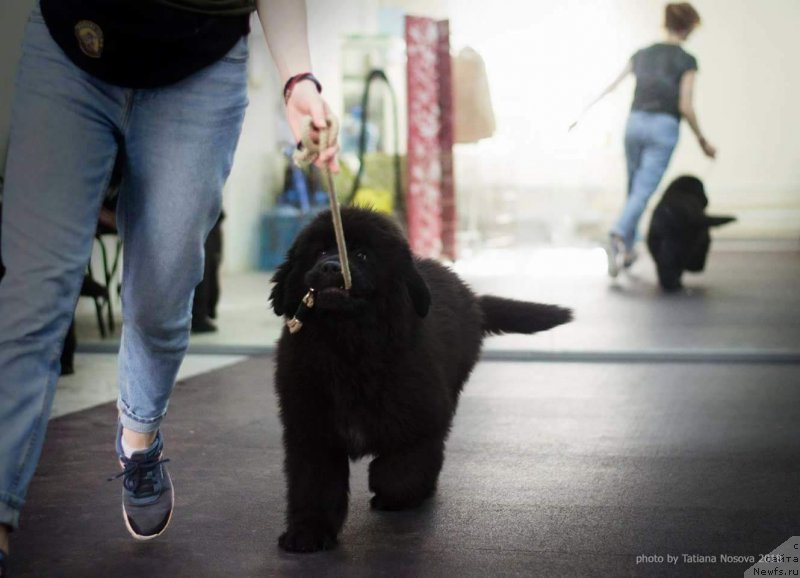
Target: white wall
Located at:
point(249, 189)
point(439, 9)
point(547, 59)
point(257, 168)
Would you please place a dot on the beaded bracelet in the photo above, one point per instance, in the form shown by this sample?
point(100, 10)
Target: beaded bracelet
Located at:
point(290, 84)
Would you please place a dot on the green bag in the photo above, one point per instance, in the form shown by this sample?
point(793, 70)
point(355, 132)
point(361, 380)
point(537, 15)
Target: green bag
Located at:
point(381, 190)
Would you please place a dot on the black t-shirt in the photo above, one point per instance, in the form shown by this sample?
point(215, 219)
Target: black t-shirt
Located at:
point(658, 70)
point(216, 7)
point(140, 43)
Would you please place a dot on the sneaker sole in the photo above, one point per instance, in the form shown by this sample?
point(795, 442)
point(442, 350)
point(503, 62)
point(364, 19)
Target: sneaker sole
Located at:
point(139, 537)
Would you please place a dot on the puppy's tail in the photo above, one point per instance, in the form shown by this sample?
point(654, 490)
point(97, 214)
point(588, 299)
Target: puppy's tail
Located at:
point(717, 221)
point(510, 316)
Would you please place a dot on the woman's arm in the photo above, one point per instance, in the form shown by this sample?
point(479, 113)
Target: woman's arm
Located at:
point(609, 89)
point(686, 107)
point(286, 30)
point(285, 27)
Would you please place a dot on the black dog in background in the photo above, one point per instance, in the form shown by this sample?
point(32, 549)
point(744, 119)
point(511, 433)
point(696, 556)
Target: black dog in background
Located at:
point(679, 237)
point(374, 371)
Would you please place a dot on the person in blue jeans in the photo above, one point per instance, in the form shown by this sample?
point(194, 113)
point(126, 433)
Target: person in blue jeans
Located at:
point(163, 83)
point(665, 75)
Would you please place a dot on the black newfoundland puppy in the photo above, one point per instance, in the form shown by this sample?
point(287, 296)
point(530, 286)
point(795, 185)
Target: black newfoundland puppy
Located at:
point(374, 371)
point(679, 237)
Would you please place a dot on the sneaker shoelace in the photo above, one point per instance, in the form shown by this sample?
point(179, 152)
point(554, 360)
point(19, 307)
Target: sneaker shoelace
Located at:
point(138, 476)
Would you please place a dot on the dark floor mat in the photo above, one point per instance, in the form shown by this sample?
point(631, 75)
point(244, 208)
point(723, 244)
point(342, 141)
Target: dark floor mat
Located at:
point(551, 470)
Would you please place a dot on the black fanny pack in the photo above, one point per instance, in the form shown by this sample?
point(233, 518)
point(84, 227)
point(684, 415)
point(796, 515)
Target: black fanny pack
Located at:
point(140, 43)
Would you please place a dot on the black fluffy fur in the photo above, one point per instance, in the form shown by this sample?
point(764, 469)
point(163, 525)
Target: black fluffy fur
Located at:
point(374, 372)
point(679, 238)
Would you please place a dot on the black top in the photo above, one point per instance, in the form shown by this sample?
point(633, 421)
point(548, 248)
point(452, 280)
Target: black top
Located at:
point(140, 43)
point(658, 71)
point(217, 7)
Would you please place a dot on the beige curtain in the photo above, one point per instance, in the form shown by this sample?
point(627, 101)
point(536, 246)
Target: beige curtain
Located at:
point(474, 116)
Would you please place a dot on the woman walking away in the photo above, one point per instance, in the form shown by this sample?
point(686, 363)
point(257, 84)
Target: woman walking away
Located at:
point(665, 75)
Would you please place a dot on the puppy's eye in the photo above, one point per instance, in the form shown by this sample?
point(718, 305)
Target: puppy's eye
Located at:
point(361, 255)
point(323, 253)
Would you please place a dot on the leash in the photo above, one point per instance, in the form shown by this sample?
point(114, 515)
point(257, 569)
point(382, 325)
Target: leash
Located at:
point(307, 152)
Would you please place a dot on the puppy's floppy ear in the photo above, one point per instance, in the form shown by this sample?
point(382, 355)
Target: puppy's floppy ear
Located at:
point(278, 293)
point(417, 288)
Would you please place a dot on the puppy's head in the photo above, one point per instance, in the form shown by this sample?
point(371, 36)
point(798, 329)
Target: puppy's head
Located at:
point(381, 266)
point(687, 189)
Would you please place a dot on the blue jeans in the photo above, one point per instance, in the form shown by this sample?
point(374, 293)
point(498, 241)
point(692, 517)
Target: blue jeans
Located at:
point(650, 138)
point(66, 129)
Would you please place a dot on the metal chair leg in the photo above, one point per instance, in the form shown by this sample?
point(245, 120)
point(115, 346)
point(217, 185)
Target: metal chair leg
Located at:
point(107, 278)
point(99, 309)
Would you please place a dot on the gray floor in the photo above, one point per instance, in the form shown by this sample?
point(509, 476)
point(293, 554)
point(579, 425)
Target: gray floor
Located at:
point(551, 470)
point(744, 308)
point(746, 301)
point(95, 379)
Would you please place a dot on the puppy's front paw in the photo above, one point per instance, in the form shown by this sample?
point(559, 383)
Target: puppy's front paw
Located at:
point(305, 539)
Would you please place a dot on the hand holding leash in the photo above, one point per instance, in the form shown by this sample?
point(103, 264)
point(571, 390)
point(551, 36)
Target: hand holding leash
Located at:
point(306, 153)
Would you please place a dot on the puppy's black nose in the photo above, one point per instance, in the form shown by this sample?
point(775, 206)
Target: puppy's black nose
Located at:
point(331, 265)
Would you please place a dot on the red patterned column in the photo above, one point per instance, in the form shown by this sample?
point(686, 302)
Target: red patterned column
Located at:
point(448, 200)
point(424, 159)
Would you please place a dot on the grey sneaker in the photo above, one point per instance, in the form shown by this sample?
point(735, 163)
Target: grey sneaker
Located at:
point(630, 258)
point(147, 496)
point(615, 252)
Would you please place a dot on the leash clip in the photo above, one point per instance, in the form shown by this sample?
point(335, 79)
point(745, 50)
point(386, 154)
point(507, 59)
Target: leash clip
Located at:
point(295, 324)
